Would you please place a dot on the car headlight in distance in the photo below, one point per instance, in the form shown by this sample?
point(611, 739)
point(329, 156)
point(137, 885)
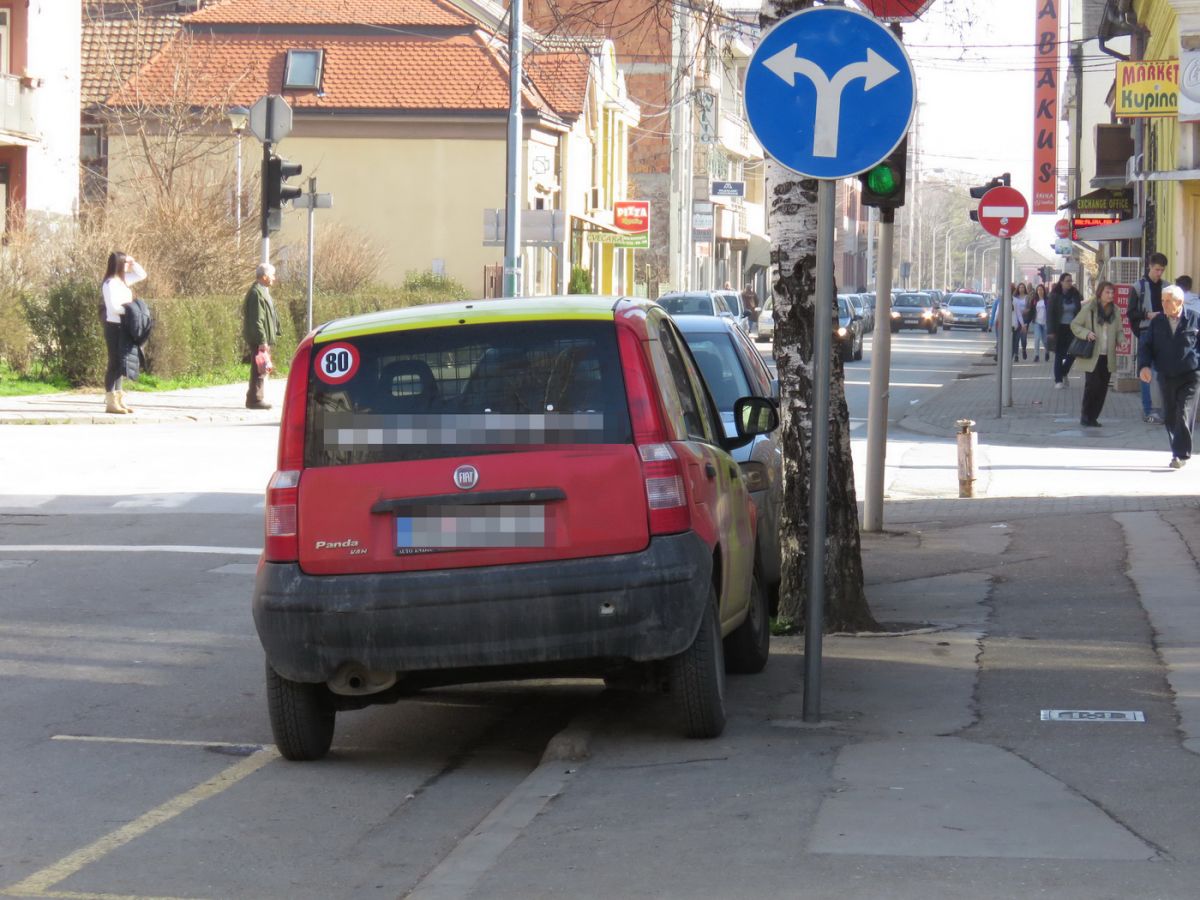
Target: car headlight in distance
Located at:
point(982, 315)
point(927, 314)
point(895, 315)
point(755, 474)
point(841, 332)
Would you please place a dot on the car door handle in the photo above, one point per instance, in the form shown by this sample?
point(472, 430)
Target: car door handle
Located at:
point(710, 470)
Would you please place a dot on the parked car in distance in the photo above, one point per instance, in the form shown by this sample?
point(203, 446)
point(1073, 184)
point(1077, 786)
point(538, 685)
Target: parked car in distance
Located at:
point(869, 304)
point(766, 320)
point(699, 303)
point(970, 310)
point(914, 310)
point(848, 330)
point(501, 489)
point(860, 310)
point(733, 299)
point(733, 368)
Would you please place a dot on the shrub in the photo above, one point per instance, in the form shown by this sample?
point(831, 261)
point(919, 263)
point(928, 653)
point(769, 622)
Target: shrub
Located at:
point(76, 338)
point(581, 281)
point(347, 260)
point(16, 338)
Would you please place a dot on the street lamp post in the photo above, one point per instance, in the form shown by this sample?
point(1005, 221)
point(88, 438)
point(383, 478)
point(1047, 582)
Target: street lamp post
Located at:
point(239, 116)
point(946, 255)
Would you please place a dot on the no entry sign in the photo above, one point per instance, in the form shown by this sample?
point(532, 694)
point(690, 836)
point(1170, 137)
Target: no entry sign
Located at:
point(897, 10)
point(1003, 212)
point(1062, 228)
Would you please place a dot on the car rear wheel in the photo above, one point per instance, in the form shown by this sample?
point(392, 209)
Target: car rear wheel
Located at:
point(858, 349)
point(933, 328)
point(749, 646)
point(698, 678)
point(302, 717)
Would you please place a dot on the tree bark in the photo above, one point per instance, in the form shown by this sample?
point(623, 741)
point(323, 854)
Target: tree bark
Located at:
point(792, 220)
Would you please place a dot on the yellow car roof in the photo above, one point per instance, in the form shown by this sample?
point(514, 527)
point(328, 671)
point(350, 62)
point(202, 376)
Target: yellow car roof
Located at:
point(474, 312)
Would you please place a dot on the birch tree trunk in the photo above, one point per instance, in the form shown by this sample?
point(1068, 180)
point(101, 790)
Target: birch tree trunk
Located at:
point(792, 220)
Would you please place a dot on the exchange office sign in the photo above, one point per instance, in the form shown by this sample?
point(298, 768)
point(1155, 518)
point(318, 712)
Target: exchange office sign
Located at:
point(1147, 89)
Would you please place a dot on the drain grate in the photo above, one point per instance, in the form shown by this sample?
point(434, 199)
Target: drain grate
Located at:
point(1093, 715)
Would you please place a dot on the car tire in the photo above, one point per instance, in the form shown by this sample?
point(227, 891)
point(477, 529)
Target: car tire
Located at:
point(933, 329)
point(895, 329)
point(858, 351)
point(749, 646)
point(698, 677)
point(302, 717)
point(945, 326)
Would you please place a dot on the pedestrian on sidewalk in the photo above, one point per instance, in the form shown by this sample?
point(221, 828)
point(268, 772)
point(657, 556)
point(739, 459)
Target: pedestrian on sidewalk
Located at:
point(260, 328)
point(1171, 345)
point(1098, 322)
point(1145, 304)
point(1020, 328)
point(1191, 300)
point(750, 301)
point(1065, 303)
point(1038, 324)
point(123, 270)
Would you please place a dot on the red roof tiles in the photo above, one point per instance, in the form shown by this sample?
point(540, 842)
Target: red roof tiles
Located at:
point(331, 12)
point(112, 51)
point(562, 78)
point(395, 73)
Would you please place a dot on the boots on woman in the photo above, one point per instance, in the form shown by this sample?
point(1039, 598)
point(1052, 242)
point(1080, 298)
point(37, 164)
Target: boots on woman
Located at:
point(121, 402)
point(112, 405)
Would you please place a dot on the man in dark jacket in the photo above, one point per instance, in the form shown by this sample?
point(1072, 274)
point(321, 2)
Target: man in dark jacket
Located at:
point(260, 329)
point(1145, 303)
point(1170, 345)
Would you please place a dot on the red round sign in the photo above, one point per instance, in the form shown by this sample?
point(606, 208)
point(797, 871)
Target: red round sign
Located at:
point(1062, 228)
point(337, 363)
point(897, 10)
point(1003, 212)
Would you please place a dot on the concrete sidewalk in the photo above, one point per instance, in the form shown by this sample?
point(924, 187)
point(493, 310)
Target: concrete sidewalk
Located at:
point(224, 403)
point(1039, 416)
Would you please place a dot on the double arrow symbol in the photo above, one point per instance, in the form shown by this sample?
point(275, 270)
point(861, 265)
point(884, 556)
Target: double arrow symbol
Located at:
point(787, 64)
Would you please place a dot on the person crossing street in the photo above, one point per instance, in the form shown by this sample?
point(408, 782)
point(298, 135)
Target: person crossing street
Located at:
point(260, 329)
point(1170, 347)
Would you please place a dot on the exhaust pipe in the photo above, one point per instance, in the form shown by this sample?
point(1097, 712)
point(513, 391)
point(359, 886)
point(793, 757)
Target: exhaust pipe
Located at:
point(355, 680)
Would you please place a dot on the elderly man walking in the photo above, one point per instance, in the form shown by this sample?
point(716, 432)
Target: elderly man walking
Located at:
point(1170, 345)
point(260, 329)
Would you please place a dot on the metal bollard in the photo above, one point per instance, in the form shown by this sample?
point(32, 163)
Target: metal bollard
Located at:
point(968, 441)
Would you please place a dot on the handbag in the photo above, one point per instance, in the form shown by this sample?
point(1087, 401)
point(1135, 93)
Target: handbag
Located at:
point(1082, 349)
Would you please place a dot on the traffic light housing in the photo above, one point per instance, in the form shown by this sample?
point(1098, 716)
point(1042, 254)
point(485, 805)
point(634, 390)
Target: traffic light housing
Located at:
point(883, 184)
point(276, 190)
point(978, 191)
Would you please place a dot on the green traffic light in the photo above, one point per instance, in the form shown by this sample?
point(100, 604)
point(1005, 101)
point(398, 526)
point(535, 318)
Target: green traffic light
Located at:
point(882, 180)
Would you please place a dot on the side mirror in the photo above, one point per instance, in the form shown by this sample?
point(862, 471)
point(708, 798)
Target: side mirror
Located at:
point(754, 416)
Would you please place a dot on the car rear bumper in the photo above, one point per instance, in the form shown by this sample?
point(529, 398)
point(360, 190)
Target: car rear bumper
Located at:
point(636, 606)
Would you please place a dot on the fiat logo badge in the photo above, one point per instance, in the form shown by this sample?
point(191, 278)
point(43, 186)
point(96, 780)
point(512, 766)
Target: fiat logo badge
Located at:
point(466, 477)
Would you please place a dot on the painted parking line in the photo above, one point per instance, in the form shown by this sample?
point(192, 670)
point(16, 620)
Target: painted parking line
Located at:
point(41, 883)
point(158, 742)
point(129, 548)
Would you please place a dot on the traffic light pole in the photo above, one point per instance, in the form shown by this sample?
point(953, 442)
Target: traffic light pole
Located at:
point(823, 306)
point(881, 367)
point(265, 256)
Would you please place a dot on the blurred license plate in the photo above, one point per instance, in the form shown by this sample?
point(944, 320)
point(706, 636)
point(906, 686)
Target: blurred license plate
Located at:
point(471, 527)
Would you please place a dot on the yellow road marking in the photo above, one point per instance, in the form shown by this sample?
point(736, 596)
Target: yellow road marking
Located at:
point(100, 739)
point(39, 883)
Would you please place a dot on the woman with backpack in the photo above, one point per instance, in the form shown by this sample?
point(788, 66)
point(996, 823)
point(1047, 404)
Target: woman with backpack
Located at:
point(123, 271)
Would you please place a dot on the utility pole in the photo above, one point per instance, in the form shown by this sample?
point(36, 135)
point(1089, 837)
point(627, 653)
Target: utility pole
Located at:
point(512, 201)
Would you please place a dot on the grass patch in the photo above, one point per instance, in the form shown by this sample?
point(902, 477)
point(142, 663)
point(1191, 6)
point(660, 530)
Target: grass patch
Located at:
point(235, 374)
point(13, 384)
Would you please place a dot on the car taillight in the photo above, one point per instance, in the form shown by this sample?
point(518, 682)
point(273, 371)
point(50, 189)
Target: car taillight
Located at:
point(280, 543)
point(281, 519)
point(662, 472)
point(666, 494)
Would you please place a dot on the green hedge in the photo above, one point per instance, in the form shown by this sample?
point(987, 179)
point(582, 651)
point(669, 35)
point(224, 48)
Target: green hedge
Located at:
point(194, 335)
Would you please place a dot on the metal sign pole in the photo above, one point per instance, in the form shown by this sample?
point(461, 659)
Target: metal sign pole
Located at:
point(265, 256)
point(512, 191)
point(312, 209)
point(881, 367)
point(1006, 262)
point(814, 621)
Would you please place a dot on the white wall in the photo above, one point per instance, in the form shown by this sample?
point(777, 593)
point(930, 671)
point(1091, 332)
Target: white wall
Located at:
point(52, 180)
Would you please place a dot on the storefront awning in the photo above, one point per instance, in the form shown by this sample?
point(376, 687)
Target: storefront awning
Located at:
point(1128, 230)
point(758, 253)
point(597, 224)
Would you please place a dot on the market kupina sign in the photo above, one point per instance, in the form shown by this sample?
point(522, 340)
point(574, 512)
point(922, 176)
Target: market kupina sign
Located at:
point(1045, 109)
point(1147, 88)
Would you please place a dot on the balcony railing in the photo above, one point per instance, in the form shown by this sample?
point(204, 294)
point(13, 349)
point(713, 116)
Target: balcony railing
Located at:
point(16, 107)
point(735, 136)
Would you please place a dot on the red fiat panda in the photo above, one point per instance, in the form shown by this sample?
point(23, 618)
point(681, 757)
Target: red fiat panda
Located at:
point(498, 489)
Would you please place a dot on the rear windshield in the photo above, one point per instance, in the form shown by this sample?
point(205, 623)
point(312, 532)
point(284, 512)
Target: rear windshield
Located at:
point(465, 390)
point(688, 305)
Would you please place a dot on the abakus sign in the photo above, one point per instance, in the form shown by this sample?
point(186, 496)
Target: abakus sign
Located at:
point(1045, 109)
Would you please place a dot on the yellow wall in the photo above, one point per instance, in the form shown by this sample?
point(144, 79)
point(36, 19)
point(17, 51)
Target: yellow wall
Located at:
point(420, 199)
point(1163, 43)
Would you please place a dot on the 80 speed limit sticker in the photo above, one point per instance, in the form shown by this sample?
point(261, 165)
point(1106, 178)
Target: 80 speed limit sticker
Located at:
point(337, 363)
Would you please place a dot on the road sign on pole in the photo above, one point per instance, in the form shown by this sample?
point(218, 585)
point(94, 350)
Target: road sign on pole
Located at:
point(830, 92)
point(1003, 211)
point(1062, 228)
point(897, 10)
point(270, 119)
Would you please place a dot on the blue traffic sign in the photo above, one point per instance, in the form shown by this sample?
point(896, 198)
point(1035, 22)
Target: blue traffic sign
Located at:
point(830, 92)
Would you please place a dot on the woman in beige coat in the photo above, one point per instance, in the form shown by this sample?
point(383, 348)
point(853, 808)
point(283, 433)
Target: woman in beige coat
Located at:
point(1097, 321)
